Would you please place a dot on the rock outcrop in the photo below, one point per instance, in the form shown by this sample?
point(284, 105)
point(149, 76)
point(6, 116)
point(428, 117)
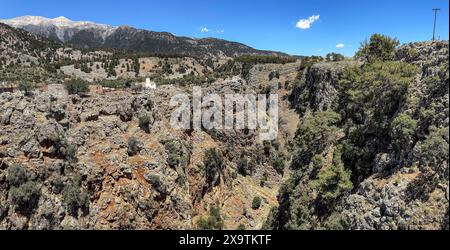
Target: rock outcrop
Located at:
point(316, 90)
point(112, 161)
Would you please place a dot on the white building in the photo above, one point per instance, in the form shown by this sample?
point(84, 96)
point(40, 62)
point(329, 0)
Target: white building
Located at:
point(149, 84)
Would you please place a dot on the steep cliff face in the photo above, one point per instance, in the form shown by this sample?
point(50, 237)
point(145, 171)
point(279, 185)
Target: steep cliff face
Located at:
point(112, 161)
point(316, 90)
point(87, 173)
point(391, 139)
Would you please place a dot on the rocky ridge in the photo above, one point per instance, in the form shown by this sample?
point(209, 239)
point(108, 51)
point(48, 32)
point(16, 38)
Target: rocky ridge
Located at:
point(97, 167)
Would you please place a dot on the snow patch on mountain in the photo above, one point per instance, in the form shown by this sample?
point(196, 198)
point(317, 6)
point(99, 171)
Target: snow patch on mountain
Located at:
point(63, 27)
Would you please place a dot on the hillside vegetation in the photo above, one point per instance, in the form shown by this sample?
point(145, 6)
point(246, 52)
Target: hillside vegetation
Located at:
point(371, 150)
point(363, 142)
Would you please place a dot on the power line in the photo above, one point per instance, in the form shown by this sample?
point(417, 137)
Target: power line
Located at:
point(435, 16)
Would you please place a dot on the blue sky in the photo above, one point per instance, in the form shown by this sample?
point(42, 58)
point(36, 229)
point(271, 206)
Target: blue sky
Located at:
point(263, 24)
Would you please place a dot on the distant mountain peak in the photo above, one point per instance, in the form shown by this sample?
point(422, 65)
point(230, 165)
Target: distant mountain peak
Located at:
point(62, 19)
point(87, 34)
point(60, 28)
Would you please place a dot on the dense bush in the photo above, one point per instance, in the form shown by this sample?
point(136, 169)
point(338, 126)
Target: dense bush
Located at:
point(279, 164)
point(213, 221)
point(213, 163)
point(25, 197)
point(62, 148)
point(380, 47)
point(174, 153)
point(332, 182)
point(116, 84)
point(307, 62)
point(256, 203)
point(255, 59)
point(434, 152)
point(144, 122)
point(334, 57)
point(314, 134)
point(77, 86)
point(157, 184)
point(134, 146)
point(335, 221)
point(273, 75)
point(27, 87)
point(75, 198)
point(242, 166)
point(370, 97)
point(263, 180)
point(402, 132)
point(16, 175)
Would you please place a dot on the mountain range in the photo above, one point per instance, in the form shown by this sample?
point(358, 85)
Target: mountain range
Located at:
point(90, 35)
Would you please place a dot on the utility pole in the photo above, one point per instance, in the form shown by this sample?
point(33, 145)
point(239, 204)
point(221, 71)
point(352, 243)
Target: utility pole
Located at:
point(435, 16)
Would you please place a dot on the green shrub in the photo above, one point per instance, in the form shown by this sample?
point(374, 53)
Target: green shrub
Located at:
point(402, 132)
point(241, 227)
point(213, 163)
point(314, 134)
point(77, 86)
point(263, 180)
point(144, 123)
point(256, 203)
point(273, 75)
point(174, 153)
point(255, 59)
point(434, 152)
point(154, 180)
point(279, 164)
point(17, 175)
point(334, 57)
point(134, 146)
point(62, 148)
point(136, 88)
point(74, 198)
point(370, 99)
point(25, 196)
point(332, 182)
point(242, 166)
point(157, 184)
point(307, 62)
point(26, 87)
point(116, 84)
point(335, 222)
point(213, 221)
point(379, 48)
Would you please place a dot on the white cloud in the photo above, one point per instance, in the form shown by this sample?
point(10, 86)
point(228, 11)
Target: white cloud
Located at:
point(204, 30)
point(220, 31)
point(319, 50)
point(306, 23)
point(340, 46)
